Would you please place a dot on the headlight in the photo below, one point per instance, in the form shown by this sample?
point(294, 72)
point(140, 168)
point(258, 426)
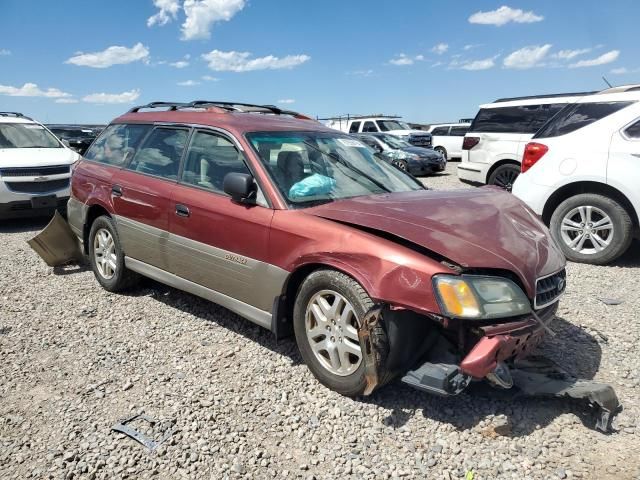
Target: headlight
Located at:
point(479, 297)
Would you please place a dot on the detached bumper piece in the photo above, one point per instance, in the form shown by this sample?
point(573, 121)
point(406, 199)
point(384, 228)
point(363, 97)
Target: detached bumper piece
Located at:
point(541, 377)
point(56, 244)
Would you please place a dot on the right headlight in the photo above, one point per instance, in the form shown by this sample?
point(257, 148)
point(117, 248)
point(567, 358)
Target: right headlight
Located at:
point(479, 297)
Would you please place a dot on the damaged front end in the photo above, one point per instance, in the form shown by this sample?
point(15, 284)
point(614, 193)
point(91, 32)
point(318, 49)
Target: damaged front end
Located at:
point(444, 361)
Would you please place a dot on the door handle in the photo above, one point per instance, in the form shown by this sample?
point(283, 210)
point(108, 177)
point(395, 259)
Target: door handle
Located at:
point(182, 210)
point(116, 191)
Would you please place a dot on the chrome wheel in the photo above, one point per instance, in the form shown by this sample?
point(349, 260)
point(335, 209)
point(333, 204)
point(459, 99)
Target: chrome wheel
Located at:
point(104, 253)
point(332, 331)
point(587, 230)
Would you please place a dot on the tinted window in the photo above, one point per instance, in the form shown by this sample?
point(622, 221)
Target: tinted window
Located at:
point(633, 131)
point(369, 127)
point(117, 144)
point(209, 159)
point(440, 131)
point(458, 131)
point(579, 115)
point(355, 126)
point(161, 152)
point(520, 119)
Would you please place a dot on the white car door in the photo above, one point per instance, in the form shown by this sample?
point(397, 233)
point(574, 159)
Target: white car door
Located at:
point(623, 167)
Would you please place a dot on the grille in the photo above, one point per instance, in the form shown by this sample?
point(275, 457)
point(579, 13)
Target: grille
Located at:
point(34, 171)
point(38, 187)
point(549, 289)
point(420, 140)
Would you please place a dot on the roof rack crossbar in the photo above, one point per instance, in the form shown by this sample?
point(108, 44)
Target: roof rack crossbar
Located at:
point(230, 106)
point(11, 114)
point(551, 95)
point(348, 116)
point(169, 105)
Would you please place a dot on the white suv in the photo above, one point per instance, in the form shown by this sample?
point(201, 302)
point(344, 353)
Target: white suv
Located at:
point(447, 138)
point(493, 147)
point(583, 175)
point(378, 124)
point(35, 168)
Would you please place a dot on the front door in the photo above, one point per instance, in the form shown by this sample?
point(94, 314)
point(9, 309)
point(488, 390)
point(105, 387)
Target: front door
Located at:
point(215, 242)
point(142, 195)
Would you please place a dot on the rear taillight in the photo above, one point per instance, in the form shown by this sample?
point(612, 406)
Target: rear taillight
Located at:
point(532, 153)
point(469, 142)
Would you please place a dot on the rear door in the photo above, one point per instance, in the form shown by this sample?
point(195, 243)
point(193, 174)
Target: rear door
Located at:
point(456, 134)
point(217, 243)
point(623, 167)
point(142, 195)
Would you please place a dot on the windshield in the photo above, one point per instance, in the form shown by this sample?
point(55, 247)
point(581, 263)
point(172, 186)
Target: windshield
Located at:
point(386, 125)
point(26, 135)
point(394, 142)
point(317, 167)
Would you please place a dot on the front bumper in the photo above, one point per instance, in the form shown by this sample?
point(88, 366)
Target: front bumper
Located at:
point(418, 168)
point(29, 201)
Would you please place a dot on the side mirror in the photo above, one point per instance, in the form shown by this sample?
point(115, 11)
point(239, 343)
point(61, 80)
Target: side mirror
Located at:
point(239, 186)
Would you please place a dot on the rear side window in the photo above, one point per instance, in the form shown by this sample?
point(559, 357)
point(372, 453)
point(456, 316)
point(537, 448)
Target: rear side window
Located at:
point(459, 131)
point(579, 115)
point(633, 131)
point(440, 131)
point(209, 159)
point(519, 119)
point(355, 126)
point(117, 144)
point(369, 127)
point(161, 152)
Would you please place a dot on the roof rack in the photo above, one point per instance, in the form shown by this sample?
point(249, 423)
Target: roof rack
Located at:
point(229, 106)
point(622, 89)
point(14, 114)
point(551, 95)
point(348, 116)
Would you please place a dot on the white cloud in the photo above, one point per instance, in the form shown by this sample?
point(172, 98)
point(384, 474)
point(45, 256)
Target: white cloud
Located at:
point(484, 64)
point(202, 14)
point(66, 100)
point(471, 46)
point(32, 90)
point(4, 52)
point(124, 97)
point(209, 78)
point(287, 101)
point(440, 48)
point(168, 10)
point(603, 59)
point(403, 59)
point(620, 71)
point(527, 57)
point(361, 73)
point(569, 54)
point(115, 55)
point(188, 83)
point(437, 64)
point(180, 64)
point(504, 15)
point(242, 62)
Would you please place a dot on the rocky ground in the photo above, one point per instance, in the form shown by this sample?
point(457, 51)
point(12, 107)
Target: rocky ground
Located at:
point(74, 359)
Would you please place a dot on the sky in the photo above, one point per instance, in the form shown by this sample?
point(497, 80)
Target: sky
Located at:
point(88, 61)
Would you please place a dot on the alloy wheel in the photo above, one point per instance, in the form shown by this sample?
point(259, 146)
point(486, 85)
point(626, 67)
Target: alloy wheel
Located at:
point(332, 331)
point(587, 230)
point(104, 253)
point(506, 177)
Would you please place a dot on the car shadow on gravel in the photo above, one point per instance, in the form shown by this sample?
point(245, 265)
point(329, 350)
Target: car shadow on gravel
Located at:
point(574, 349)
point(17, 225)
point(631, 258)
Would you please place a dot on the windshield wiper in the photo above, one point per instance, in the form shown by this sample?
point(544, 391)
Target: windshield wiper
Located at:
point(341, 160)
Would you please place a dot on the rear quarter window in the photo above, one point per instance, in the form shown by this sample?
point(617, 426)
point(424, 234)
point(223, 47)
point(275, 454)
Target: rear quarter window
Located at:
point(633, 131)
point(440, 131)
point(117, 144)
point(579, 115)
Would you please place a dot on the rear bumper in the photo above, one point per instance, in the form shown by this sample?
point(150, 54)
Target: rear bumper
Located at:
point(473, 172)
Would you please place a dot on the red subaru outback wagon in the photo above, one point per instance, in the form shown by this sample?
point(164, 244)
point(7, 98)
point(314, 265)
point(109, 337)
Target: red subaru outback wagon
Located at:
point(302, 229)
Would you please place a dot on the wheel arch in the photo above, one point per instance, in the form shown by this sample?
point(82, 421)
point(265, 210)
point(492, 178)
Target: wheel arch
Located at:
point(578, 188)
point(94, 211)
point(499, 163)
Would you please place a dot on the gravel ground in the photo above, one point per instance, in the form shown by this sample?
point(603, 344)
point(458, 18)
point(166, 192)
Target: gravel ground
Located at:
point(74, 359)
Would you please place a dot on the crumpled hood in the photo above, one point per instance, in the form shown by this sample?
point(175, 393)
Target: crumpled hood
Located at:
point(480, 228)
point(36, 157)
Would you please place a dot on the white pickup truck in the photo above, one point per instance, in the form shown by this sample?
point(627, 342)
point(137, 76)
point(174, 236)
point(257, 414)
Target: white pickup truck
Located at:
point(380, 123)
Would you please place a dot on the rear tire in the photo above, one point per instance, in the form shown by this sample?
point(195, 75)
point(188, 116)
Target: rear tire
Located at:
point(442, 151)
point(107, 258)
point(334, 336)
point(504, 176)
point(591, 228)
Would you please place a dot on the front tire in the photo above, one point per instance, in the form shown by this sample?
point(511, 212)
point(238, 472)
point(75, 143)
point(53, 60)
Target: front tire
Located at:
point(504, 176)
point(327, 314)
point(591, 228)
point(442, 151)
point(107, 258)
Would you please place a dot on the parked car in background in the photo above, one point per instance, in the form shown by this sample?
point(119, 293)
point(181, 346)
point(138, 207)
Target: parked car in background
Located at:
point(415, 160)
point(581, 173)
point(446, 138)
point(77, 137)
point(301, 229)
point(35, 168)
point(381, 124)
point(493, 147)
